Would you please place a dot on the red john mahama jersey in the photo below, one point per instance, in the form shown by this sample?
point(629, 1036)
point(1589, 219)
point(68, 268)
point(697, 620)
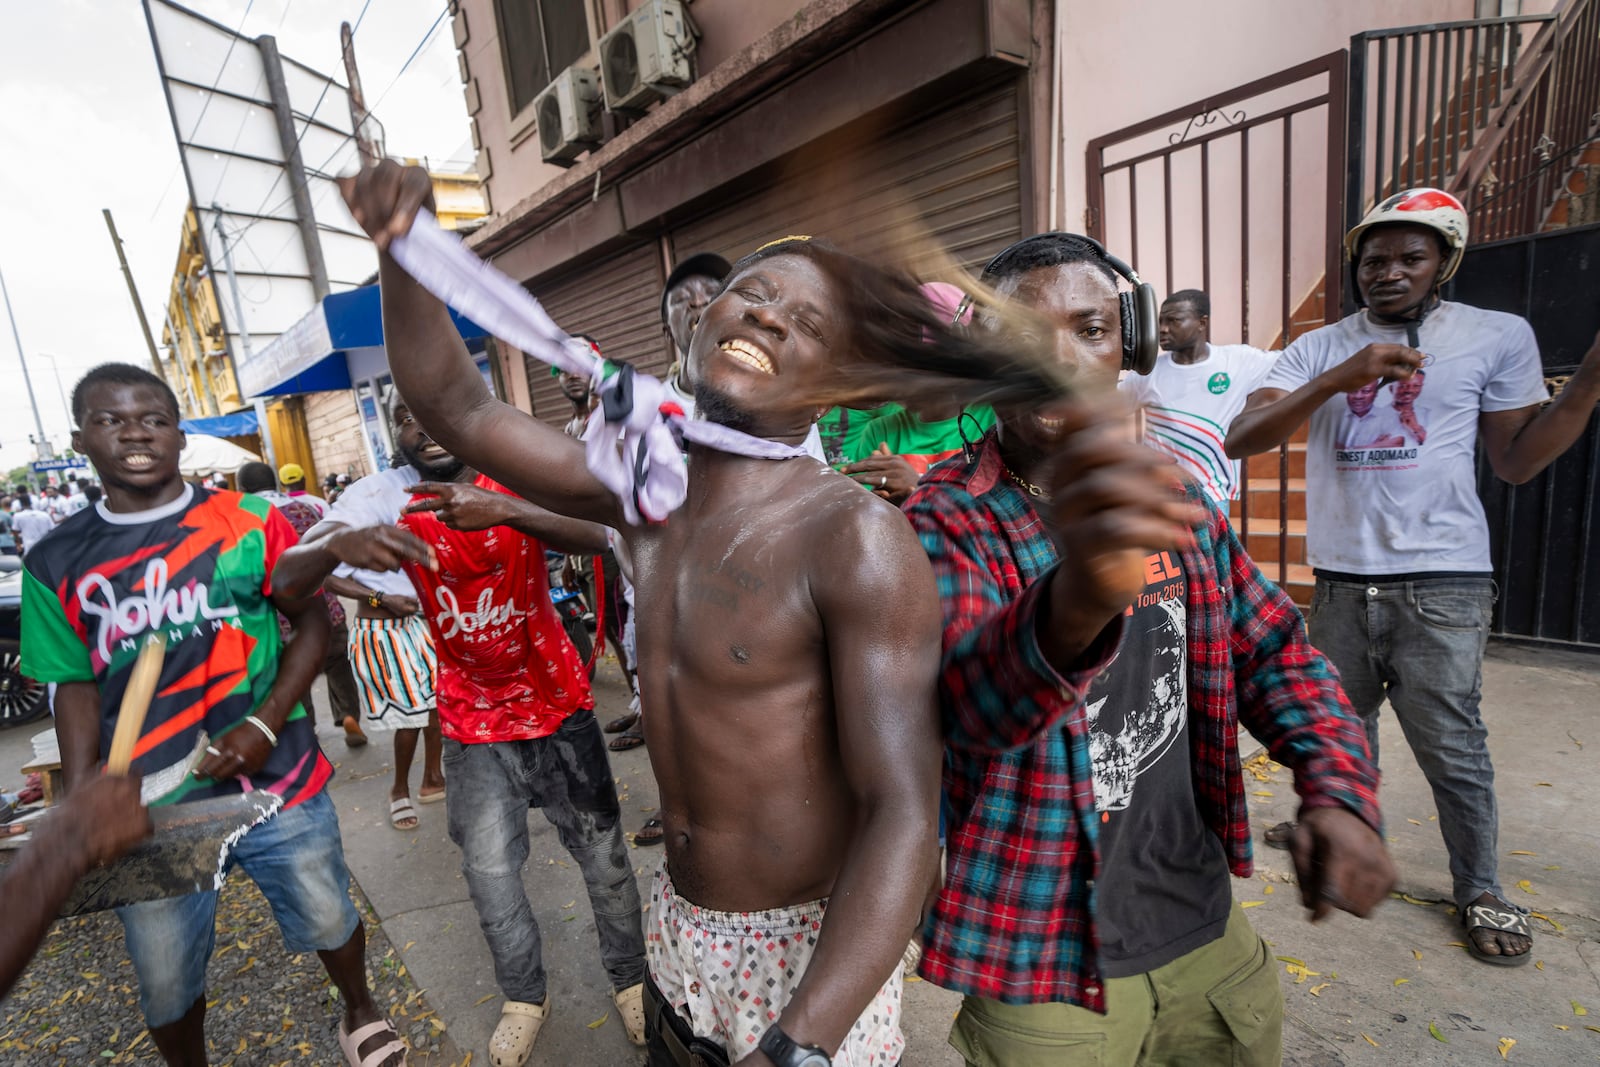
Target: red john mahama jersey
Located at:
point(507, 671)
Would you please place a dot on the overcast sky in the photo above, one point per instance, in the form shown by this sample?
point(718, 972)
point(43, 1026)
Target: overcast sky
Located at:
point(84, 126)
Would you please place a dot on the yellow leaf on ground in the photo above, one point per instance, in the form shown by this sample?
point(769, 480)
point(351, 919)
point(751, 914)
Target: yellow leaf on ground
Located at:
point(1414, 822)
point(1267, 889)
point(1251, 903)
point(1369, 1041)
point(1316, 990)
point(1596, 1029)
point(1553, 867)
point(1300, 972)
point(1263, 793)
point(1560, 1027)
point(1557, 927)
point(1521, 853)
point(1401, 981)
point(1433, 1028)
point(485, 999)
point(1409, 899)
point(1415, 954)
point(1505, 1046)
point(1579, 1009)
point(1458, 944)
point(1527, 887)
point(1290, 959)
point(598, 1023)
point(1549, 784)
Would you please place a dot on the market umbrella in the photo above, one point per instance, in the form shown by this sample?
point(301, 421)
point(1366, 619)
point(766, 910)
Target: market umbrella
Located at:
point(212, 455)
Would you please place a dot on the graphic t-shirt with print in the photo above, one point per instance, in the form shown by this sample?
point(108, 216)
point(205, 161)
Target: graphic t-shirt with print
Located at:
point(198, 570)
point(1189, 407)
point(917, 441)
point(507, 671)
point(1377, 508)
point(1163, 887)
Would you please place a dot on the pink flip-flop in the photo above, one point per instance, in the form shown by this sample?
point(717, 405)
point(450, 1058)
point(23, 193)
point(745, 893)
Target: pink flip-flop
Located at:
point(350, 1044)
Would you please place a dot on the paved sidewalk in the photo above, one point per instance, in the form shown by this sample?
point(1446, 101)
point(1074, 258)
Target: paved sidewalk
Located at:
point(1370, 981)
point(1369, 994)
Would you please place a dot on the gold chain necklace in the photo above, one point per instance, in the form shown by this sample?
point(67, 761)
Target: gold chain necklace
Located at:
point(1032, 490)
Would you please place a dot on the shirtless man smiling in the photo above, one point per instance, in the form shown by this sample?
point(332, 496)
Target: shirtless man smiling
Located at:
point(794, 735)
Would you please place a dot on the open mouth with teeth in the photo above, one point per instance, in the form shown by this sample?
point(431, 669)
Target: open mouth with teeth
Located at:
point(429, 450)
point(747, 354)
point(138, 461)
point(1048, 424)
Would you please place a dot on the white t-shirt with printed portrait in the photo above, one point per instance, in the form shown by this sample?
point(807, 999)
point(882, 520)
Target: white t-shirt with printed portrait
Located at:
point(1379, 509)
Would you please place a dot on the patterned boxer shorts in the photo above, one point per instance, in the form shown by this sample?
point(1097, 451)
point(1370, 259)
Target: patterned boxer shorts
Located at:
point(731, 973)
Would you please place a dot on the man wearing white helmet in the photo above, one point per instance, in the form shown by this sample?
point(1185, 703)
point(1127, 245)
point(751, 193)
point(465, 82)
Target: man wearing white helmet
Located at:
point(1396, 531)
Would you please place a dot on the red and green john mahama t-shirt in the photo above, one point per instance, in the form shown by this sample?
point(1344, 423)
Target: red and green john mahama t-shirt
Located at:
point(199, 570)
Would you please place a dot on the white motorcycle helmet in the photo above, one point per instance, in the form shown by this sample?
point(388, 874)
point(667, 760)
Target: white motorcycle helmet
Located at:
point(1433, 208)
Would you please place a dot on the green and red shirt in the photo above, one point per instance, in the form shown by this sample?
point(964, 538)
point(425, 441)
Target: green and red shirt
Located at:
point(199, 570)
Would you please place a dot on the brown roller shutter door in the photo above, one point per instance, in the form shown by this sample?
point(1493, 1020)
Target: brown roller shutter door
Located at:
point(952, 175)
point(617, 302)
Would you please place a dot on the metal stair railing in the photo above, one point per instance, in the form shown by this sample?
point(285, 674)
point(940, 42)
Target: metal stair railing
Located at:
point(1508, 180)
point(1423, 100)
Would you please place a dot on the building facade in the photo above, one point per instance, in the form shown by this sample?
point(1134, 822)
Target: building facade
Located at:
point(933, 132)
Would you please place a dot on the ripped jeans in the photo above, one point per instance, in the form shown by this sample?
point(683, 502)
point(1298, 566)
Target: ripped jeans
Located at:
point(568, 776)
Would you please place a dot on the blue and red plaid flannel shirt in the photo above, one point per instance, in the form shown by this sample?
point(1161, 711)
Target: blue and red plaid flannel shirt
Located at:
point(1014, 921)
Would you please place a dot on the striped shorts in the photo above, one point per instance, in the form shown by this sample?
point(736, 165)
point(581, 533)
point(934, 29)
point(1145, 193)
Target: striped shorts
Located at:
point(394, 666)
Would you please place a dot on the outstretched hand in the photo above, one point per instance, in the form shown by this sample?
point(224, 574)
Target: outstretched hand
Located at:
point(385, 199)
point(1112, 503)
point(461, 507)
point(1341, 862)
point(379, 548)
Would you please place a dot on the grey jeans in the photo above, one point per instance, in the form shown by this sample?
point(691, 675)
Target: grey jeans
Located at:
point(567, 775)
point(1420, 643)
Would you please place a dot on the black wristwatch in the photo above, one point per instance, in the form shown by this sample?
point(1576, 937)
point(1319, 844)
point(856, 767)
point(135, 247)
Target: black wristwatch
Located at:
point(782, 1050)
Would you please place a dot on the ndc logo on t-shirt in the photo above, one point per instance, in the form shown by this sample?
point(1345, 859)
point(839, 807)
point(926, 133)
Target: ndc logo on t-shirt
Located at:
point(1218, 383)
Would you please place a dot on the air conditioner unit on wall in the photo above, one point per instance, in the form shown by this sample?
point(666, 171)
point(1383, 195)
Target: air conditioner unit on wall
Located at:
point(567, 113)
point(646, 56)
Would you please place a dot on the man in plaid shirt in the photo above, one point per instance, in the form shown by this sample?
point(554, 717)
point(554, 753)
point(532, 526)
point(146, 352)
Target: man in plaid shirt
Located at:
point(1104, 637)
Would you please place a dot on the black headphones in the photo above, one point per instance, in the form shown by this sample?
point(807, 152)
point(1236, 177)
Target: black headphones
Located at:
point(1140, 340)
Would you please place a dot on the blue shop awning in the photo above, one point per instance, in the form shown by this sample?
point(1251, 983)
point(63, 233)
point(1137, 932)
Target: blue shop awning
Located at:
point(309, 357)
point(239, 424)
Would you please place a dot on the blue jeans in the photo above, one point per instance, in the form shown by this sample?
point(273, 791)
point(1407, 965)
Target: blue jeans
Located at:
point(297, 860)
point(1420, 643)
point(567, 775)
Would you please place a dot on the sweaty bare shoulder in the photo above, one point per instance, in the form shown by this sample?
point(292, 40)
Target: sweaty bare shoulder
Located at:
point(865, 548)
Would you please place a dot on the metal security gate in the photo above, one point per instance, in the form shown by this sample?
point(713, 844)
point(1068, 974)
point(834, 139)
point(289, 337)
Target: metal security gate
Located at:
point(1545, 535)
point(617, 302)
point(887, 187)
point(1239, 194)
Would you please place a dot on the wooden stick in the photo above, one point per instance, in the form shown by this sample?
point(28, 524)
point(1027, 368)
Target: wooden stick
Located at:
point(136, 699)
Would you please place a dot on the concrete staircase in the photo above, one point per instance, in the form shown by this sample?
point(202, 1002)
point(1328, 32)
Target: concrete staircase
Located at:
point(1578, 201)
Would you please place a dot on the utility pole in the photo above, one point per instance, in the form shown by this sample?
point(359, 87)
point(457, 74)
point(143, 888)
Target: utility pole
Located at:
point(45, 451)
point(133, 294)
